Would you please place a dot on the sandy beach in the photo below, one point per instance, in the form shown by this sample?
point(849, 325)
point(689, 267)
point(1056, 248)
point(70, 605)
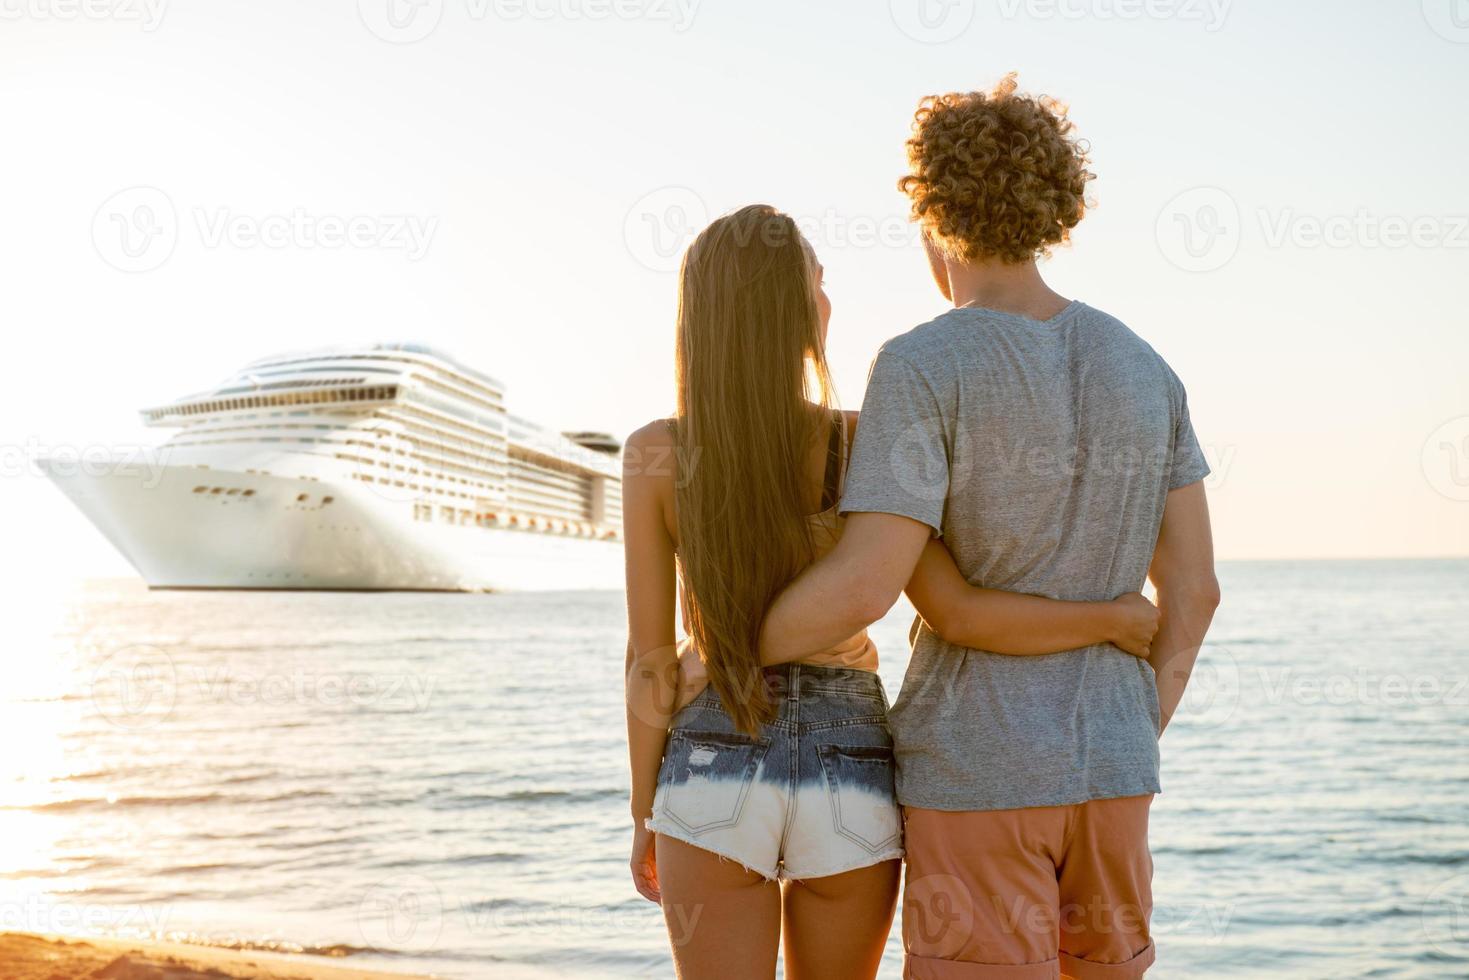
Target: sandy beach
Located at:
point(24, 956)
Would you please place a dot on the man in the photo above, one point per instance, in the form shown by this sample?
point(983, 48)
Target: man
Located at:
point(1051, 449)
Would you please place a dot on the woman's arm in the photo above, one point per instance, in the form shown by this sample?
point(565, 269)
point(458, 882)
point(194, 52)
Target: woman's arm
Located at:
point(1022, 625)
point(652, 660)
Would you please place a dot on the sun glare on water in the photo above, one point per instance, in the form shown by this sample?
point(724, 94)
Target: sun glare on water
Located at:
point(44, 700)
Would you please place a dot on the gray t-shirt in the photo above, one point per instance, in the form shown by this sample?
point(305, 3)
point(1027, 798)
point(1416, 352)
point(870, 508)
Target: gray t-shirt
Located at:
point(1043, 452)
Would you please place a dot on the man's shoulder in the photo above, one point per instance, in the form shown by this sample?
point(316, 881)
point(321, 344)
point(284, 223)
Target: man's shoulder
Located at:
point(930, 346)
point(924, 345)
point(1107, 327)
point(1106, 330)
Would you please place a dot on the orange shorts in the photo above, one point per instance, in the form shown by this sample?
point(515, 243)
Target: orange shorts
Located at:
point(1033, 894)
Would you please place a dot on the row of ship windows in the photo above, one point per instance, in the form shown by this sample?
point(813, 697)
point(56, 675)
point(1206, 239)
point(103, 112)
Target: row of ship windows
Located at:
point(573, 514)
point(225, 491)
point(524, 522)
point(425, 512)
point(301, 498)
point(375, 393)
point(295, 383)
point(461, 380)
point(186, 440)
point(531, 477)
point(482, 440)
point(430, 421)
point(445, 454)
point(528, 476)
point(549, 500)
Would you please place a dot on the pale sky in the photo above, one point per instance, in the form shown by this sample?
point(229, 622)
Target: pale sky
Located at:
point(191, 185)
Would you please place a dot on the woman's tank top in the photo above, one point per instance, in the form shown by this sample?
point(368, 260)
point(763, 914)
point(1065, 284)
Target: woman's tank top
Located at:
point(857, 651)
point(826, 528)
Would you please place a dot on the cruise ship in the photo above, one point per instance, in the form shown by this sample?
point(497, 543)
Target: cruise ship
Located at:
point(384, 467)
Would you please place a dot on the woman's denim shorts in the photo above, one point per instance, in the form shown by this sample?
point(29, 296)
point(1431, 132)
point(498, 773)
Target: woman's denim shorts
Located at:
point(812, 796)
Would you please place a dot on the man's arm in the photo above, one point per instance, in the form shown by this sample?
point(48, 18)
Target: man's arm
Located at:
point(846, 591)
point(1188, 593)
point(1019, 625)
point(897, 482)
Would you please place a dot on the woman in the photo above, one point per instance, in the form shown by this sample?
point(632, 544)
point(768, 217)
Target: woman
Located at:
point(768, 809)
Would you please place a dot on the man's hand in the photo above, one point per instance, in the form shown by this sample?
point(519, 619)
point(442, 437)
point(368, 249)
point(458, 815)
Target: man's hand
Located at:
point(693, 676)
point(1136, 622)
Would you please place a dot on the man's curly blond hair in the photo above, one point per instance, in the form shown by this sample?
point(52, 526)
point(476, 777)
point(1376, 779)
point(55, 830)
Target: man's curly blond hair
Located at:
point(995, 175)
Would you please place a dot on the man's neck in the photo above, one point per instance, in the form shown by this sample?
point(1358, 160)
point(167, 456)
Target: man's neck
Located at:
point(1010, 288)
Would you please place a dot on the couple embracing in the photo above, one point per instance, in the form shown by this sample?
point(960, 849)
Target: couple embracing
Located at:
point(1020, 466)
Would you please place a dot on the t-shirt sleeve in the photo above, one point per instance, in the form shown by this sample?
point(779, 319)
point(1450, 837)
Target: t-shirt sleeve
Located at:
point(900, 459)
point(1188, 464)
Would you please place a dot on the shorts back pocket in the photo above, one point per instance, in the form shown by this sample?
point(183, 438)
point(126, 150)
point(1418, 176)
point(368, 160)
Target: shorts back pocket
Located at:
point(864, 803)
point(706, 777)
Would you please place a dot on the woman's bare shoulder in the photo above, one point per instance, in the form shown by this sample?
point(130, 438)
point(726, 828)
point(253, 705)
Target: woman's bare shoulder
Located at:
point(657, 434)
point(650, 457)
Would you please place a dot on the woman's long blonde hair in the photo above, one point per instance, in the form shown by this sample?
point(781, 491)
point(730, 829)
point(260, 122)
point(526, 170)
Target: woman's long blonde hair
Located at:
point(751, 374)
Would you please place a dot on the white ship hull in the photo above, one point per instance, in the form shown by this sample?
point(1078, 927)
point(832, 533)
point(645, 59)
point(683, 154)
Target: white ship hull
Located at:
point(379, 467)
point(179, 539)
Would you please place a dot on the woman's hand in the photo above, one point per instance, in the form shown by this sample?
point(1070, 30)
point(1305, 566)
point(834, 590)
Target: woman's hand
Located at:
point(1135, 623)
point(644, 862)
point(692, 675)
